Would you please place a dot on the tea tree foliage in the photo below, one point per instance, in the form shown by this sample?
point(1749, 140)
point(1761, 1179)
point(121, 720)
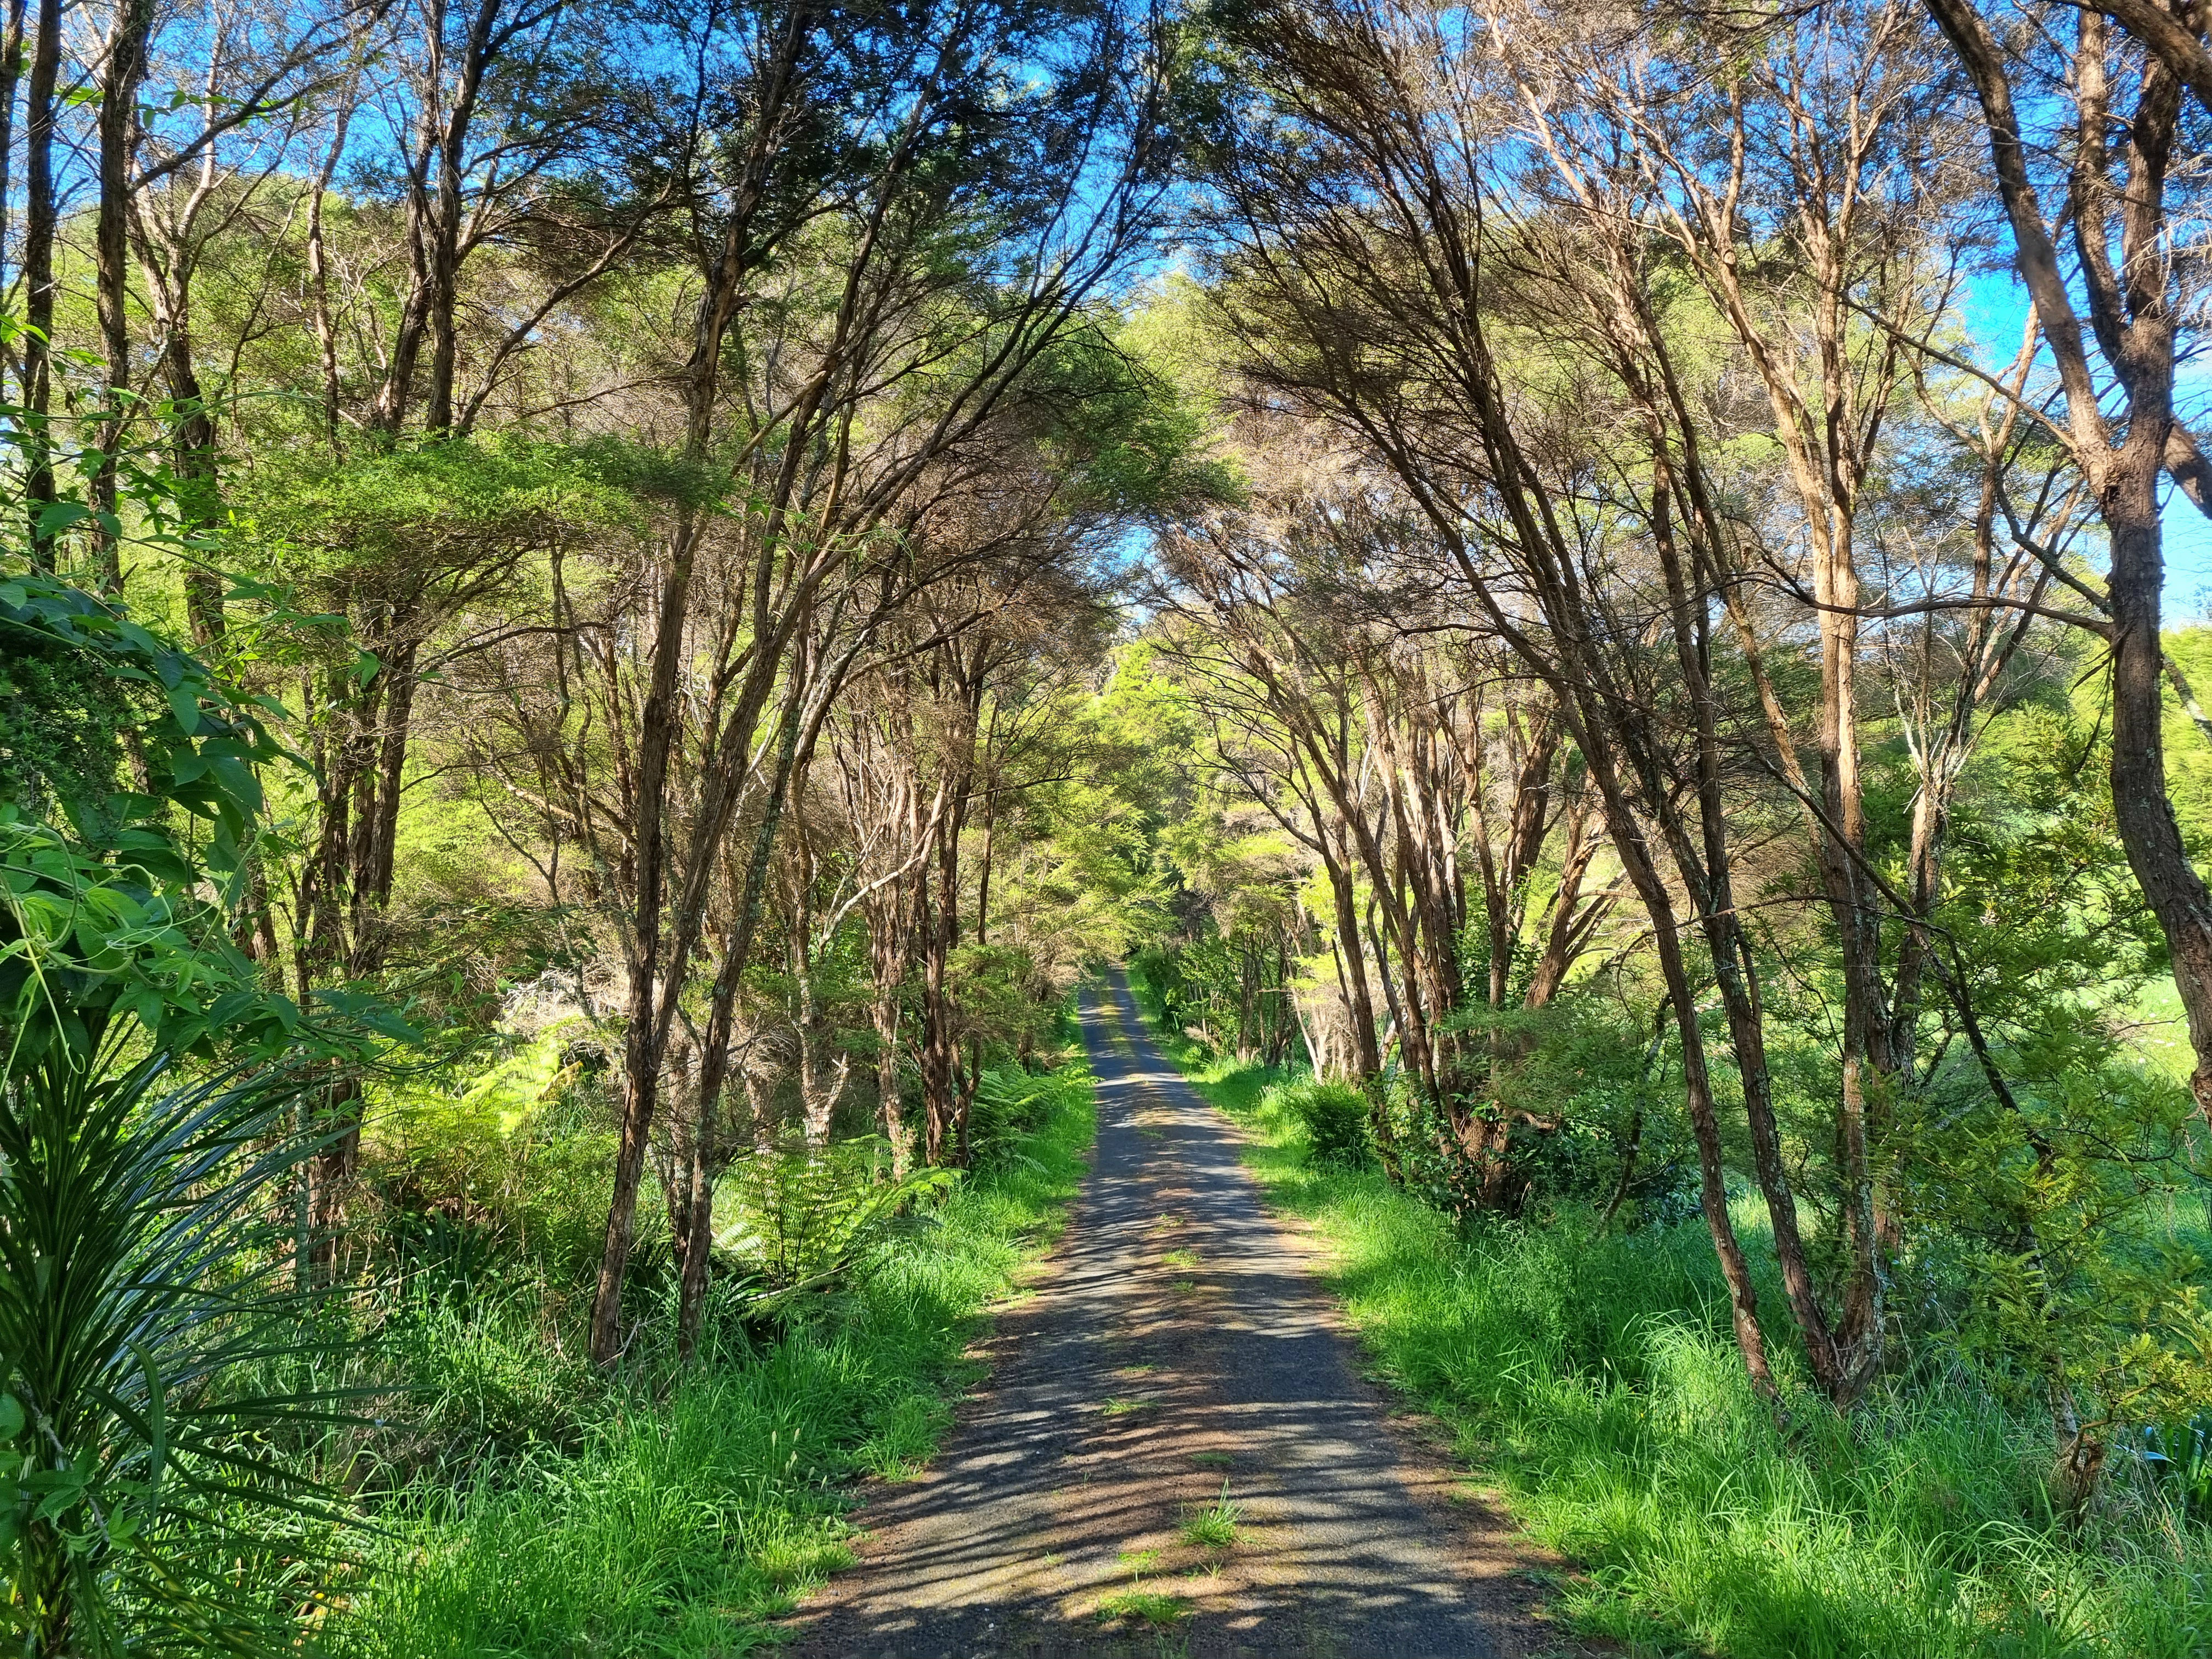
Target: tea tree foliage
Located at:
point(603, 611)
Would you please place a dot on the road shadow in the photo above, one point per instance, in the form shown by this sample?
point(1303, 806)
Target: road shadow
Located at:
point(1176, 1341)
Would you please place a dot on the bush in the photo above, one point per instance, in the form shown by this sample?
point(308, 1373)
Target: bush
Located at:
point(695, 1503)
point(1334, 1118)
point(1009, 1106)
point(143, 1493)
point(1591, 1375)
point(512, 1158)
point(809, 1217)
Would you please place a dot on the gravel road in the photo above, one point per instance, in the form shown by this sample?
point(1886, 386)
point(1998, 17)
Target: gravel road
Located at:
point(1176, 1338)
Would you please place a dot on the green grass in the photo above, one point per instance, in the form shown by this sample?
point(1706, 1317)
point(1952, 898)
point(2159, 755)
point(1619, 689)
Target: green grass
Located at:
point(1592, 1379)
point(1149, 1607)
point(1138, 1604)
point(672, 1516)
point(1213, 1526)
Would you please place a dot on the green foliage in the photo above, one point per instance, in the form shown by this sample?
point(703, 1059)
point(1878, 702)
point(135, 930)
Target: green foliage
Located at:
point(1152, 975)
point(197, 741)
point(678, 1522)
point(138, 1302)
point(1594, 1378)
point(2039, 900)
point(87, 939)
point(1153, 1608)
point(63, 717)
point(670, 1531)
point(1231, 994)
point(1334, 1116)
point(2030, 1200)
point(153, 1485)
point(1173, 333)
point(1606, 1082)
point(2043, 1253)
point(1011, 1105)
point(1098, 889)
point(104, 911)
point(814, 1216)
point(1125, 439)
point(995, 998)
point(514, 1155)
point(449, 504)
point(472, 1386)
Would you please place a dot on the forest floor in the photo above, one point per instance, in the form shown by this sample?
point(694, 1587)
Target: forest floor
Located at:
point(1177, 1454)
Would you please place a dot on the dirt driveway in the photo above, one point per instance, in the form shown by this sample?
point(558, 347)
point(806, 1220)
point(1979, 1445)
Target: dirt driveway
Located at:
point(1177, 1339)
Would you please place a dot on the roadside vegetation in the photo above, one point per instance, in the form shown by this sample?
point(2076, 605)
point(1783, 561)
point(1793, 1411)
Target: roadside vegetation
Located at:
point(1588, 1373)
point(604, 609)
point(696, 1501)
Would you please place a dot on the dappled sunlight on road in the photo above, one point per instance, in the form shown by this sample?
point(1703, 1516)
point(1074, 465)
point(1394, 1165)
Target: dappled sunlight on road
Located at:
point(1177, 1341)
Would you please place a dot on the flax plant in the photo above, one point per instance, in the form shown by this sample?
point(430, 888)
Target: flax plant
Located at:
point(156, 1491)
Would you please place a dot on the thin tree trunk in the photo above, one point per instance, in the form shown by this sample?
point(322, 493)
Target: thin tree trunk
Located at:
point(319, 264)
point(120, 78)
point(640, 1052)
point(11, 77)
point(1636, 1119)
point(1367, 1048)
point(41, 225)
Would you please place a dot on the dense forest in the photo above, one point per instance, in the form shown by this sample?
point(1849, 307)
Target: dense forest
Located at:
point(605, 610)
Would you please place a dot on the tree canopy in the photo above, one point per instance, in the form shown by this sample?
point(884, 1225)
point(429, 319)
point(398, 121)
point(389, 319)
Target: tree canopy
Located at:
point(604, 611)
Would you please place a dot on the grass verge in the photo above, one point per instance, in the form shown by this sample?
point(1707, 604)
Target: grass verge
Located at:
point(687, 1509)
point(1591, 1378)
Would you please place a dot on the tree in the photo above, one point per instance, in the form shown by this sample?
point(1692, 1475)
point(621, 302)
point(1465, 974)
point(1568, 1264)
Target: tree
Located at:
point(2119, 150)
point(1394, 743)
point(1527, 366)
point(138, 1294)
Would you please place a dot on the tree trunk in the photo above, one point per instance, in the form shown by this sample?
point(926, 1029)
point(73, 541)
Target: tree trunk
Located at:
point(2141, 804)
point(1352, 958)
point(11, 76)
point(120, 78)
point(940, 1048)
point(40, 223)
point(889, 1107)
point(640, 1052)
point(1697, 1098)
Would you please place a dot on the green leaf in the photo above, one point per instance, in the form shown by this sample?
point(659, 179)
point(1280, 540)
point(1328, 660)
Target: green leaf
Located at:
point(236, 785)
point(55, 517)
point(157, 1434)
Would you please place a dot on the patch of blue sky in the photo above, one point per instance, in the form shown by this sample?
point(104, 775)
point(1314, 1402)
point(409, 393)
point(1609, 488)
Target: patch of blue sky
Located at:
point(1995, 307)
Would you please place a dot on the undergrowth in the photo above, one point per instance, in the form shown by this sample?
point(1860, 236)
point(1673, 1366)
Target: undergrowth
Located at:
point(671, 1512)
point(1591, 1376)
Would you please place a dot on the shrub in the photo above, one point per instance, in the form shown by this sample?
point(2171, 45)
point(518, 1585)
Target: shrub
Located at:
point(1334, 1118)
point(809, 1217)
point(509, 1162)
point(1010, 1104)
point(140, 1476)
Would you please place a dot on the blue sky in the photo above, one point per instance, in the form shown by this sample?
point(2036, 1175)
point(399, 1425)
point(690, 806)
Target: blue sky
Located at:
point(1996, 310)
